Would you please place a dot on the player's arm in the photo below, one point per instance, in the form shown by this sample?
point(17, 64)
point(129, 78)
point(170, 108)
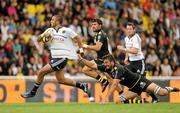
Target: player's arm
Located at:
point(78, 40)
point(135, 47)
point(46, 33)
point(111, 90)
point(95, 47)
point(113, 87)
point(126, 61)
point(88, 63)
point(131, 50)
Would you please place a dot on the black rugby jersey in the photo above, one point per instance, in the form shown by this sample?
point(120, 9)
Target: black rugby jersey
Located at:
point(122, 73)
point(103, 38)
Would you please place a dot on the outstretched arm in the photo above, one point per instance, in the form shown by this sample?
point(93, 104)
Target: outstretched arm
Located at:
point(88, 63)
point(112, 89)
point(131, 50)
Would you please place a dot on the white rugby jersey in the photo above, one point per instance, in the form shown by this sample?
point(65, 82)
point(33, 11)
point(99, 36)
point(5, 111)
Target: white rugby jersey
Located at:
point(134, 42)
point(62, 45)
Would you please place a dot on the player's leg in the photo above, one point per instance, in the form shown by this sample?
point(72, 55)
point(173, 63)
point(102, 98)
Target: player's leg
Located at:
point(140, 67)
point(40, 76)
point(125, 96)
point(161, 91)
point(62, 80)
point(94, 74)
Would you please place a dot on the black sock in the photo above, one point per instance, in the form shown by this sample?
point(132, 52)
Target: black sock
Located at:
point(154, 97)
point(102, 80)
point(36, 86)
point(79, 85)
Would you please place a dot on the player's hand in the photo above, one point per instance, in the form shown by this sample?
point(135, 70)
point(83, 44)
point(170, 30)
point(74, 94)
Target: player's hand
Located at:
point(85, 46)
point(81, 52)
point(47, 34)
point(119, 47)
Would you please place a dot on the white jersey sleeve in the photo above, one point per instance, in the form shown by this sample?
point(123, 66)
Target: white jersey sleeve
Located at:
point(71, 33)
point(50, 30)
point(136, 41)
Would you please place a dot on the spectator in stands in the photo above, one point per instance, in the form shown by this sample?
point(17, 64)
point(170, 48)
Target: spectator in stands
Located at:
point(166, 68)
point(159, 19)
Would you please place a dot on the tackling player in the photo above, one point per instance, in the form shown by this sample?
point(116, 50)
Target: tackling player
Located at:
point(135, 82)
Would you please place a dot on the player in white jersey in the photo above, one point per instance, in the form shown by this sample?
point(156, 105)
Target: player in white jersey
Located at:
point(134, 57)
point(62, 48)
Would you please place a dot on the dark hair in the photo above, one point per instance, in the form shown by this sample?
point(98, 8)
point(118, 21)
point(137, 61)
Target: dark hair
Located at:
point(109, 57)
point(99, 21)
point(131, 24)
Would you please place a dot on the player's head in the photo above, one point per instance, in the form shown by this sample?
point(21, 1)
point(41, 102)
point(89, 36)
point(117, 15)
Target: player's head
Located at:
point(109, 61)
point(56, 20)
point(96, 25)
point(130, 29)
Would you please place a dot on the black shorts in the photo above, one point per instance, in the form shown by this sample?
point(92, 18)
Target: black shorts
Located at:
point(137, 66)
point(141, 86)
point(58, 63)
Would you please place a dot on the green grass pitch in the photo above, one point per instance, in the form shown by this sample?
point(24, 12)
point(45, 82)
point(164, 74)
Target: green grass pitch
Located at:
point(89, 108)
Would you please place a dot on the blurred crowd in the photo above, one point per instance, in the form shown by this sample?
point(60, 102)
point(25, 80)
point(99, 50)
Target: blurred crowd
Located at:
point(157, 22)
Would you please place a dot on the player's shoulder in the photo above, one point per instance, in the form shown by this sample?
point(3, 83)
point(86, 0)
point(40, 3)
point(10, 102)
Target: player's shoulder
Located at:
point(126, 38)
point(50, 28)
point(119, 67)
point(102, 34)
point(135, 36)
point(66, 28)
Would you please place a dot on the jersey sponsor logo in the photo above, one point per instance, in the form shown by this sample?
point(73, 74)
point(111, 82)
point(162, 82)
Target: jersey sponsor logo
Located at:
point(138, 71)
point(142, 84)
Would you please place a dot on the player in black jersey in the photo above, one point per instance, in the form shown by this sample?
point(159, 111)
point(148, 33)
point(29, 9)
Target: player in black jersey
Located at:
point(101, 46)
point(135, 82)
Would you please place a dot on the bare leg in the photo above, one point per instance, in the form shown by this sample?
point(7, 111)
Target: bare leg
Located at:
point(42, 72)
point(125, 96)
point(161, 91)
point(40, 77)
point(61, 79)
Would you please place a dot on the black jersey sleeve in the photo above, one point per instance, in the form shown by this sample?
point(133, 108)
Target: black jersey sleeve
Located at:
point(119, 72)
point(101, 67)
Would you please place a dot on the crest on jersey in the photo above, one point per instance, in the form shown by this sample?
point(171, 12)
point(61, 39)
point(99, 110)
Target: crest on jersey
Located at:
point(142, 84)
point(63, 31)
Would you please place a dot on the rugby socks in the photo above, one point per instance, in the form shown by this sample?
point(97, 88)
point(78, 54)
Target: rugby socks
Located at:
point(154, 97)
point(35, 88)
point(79, 85)
point(172, 89)
point(102, 80)
point(135, 101)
